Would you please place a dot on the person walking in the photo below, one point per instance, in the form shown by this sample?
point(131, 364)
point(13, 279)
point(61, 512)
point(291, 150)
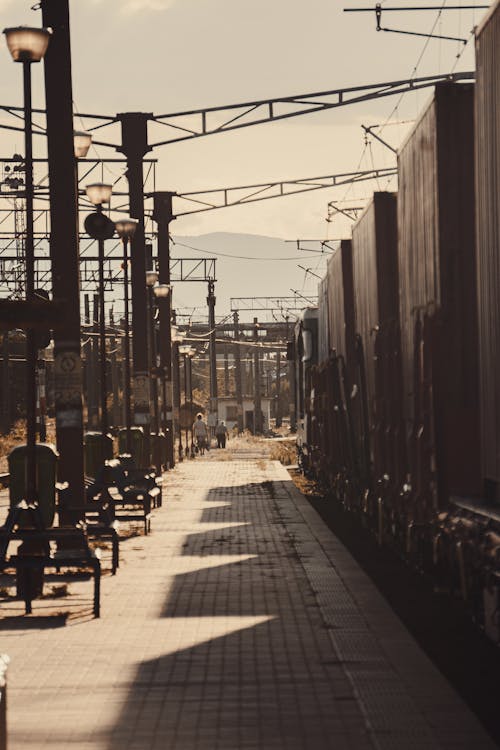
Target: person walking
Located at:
point(200, 432)
point(221, 434)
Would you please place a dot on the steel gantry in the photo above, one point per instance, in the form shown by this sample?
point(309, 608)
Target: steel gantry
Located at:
point(135, 145)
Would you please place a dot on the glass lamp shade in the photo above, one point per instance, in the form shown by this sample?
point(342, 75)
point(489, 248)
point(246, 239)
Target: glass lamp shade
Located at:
point(175, 334)
point(161, 290)
point(99, 193)
point(81, 141)
point(125, 228)
point(151, 278)
point(185, 349)
point(27, 44)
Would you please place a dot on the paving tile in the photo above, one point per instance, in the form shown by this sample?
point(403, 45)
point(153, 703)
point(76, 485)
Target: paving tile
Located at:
point(240, 623)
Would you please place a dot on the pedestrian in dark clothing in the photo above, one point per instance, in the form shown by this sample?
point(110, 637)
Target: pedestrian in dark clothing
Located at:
point(221, 434)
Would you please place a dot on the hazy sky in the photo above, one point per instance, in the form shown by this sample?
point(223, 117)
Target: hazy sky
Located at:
point(169, 55)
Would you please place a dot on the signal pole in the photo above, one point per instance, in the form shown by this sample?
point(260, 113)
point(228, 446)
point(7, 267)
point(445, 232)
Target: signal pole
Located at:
point(237, 372)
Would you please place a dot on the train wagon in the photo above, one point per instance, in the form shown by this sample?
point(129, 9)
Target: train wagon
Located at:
point(438, 302)
point(487, 155)
point(379, 378)
point(302, 354)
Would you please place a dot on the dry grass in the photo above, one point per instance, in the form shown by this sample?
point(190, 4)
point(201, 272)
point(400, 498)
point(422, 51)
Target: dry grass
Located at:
point(17, 436)
point(285, 452)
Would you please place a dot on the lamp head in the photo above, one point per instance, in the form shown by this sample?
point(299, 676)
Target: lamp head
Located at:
point(161, 291)
point(99, 193)
point(125, 228)
point(81, 141)
point(27, 44)
point(151, 278)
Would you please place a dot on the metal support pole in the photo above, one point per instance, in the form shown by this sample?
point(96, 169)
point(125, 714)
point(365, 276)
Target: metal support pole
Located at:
point(213, 351)
point(257, 409)
point(190, 391)
point(94, 366)
point(176, 368)
point(6, 410)
point(102, 343)
point(237, 372)
point(126, 388)
point(153, 363)
point(185, 359)
point(42, 398)
point(29, 249)
point(226, 371)
point(162, 215)
point(135, 147)
point(64, 254)
point(279, 418)
point(114, 374)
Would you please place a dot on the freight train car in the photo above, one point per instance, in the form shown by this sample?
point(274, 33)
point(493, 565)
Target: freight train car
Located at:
point(446, 297)
point(302, 354)
point(438, 303)
point(378, 376)
point(333, 454)
point(487, 153)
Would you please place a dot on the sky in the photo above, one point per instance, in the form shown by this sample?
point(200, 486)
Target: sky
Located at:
point(165, 56)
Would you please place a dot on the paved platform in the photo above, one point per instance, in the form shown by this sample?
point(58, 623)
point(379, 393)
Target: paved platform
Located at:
point(241, 622)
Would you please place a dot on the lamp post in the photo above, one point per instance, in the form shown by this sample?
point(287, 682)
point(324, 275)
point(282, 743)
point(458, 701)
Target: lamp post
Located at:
point(125, 229)
point(151, 280)
point(28, 45)
point(176, 337)
point(190, 389)
point(101, 228)
point(162, 294)
point(187, 352)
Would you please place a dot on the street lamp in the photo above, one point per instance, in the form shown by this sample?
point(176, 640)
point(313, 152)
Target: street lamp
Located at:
point(151, 280)
point(176, 337)
point(101, 228)
point(81, 142)
point(28, 45)
point(188, 352)
point(125, 229)
point(162, 294)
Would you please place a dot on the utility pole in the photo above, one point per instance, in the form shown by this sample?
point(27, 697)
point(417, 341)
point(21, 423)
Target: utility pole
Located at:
point(176, 392)
point(64, 254)
point(135, 147)
point(226, 371)
point(213, 351)
point(162, 215)
point(257, 408)
point(6, 412)
point(115, 386)
point(94, 369)
point(237, 372)
point(278, 389)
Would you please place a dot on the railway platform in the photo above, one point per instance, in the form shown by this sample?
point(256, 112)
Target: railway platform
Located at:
point(241, 622)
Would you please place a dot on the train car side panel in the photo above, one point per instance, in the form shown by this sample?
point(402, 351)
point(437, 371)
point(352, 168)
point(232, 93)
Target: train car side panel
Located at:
point(487, 155)
point(438, 298)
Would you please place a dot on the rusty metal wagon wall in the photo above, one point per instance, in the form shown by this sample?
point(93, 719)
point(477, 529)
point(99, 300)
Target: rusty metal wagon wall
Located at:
point(375, 271)
point(487, 155)
point(438, 306)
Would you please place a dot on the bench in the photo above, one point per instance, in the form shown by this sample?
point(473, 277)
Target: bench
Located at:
point(133, 492)
point(141, 477)
point(71, 551)
point(99, 517)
